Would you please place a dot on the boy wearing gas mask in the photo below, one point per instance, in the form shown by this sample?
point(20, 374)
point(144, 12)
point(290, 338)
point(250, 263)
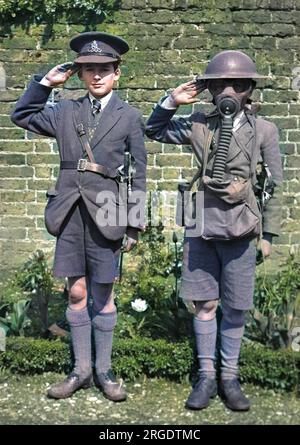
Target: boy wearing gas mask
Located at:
point(222, 230)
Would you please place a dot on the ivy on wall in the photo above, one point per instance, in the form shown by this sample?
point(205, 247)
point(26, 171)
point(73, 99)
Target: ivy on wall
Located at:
point(37, 11)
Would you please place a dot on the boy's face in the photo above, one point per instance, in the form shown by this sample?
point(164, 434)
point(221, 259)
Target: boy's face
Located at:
point(99, 78)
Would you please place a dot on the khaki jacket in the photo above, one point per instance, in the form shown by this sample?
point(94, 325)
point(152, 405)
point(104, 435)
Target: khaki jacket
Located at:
point(162, 126)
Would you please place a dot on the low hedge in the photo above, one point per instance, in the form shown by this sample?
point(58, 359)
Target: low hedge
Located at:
point(131, 358)
point(154, 358)
point(278, 369)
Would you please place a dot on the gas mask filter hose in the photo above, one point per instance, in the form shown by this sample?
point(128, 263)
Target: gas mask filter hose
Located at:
point(228, 108)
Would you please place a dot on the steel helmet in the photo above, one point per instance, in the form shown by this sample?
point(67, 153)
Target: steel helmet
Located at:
point(231, 65)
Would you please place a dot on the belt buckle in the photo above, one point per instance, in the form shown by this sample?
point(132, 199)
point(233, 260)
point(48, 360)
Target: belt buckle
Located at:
point(82, 164)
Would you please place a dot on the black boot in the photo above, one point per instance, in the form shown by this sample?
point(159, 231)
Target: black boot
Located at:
point(71, 384)
point(231, 393)
point(108, 385)
point(205, 388)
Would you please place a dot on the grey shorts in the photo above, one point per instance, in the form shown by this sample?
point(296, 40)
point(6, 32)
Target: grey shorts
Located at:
point(219, 270)
point(81, 249)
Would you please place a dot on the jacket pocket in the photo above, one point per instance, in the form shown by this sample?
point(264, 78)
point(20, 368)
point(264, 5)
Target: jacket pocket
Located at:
point(51, 215)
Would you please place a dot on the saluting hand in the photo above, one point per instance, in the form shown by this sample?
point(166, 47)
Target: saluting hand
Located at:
point(55, 77)
point(187, 93)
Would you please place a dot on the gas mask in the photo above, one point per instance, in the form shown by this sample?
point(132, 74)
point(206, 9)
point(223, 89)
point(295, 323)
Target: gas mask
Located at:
point(238, 90)
point(230, 97)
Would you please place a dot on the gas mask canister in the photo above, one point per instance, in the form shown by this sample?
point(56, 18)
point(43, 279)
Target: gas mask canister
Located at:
point(230, 97)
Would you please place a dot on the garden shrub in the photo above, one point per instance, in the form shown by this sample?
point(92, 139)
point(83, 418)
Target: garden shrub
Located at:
point(272, 369)
point(26, 355)
point(275, 306)
point(153, 279)
point(154, 358)
point(10, 292)
point(78, 11)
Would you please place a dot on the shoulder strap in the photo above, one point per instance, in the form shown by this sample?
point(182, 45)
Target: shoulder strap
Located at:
point(82, 135)
point(84, 142)
point(206, 155)
point(255, 150)
point(201, 171)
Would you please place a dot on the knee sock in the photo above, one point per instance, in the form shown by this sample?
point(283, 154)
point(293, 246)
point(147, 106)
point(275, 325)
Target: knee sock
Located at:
point(104, 324)
point(232, 330)
point(80, 326)
point(206, 334)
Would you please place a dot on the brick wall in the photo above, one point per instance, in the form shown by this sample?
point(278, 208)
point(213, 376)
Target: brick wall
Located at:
point(170, 41)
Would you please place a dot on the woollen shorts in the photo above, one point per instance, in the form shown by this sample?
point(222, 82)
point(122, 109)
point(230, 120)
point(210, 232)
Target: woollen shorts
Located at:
point(81, 249)
point(215, 270)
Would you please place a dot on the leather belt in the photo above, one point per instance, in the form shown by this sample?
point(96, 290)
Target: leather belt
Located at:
point(83, 165)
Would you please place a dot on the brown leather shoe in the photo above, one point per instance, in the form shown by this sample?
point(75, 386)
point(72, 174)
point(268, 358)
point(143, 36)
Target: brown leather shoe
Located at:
point(107, 383)
point(71, 384)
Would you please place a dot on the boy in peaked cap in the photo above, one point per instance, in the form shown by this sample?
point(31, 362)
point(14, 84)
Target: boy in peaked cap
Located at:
point(93, 133)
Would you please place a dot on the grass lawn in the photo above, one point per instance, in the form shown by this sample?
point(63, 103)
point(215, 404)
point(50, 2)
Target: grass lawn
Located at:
point(23, 401)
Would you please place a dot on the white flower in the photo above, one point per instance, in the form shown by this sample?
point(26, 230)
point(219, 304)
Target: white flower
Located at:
point(139, 305)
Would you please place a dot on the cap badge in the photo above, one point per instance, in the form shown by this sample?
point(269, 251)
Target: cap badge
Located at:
point(94, 48)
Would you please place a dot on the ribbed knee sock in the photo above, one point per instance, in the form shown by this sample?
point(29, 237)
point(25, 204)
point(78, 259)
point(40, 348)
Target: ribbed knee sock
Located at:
point(104, 324)
point(206, 334)
point(80, 326)
point(232, 330)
